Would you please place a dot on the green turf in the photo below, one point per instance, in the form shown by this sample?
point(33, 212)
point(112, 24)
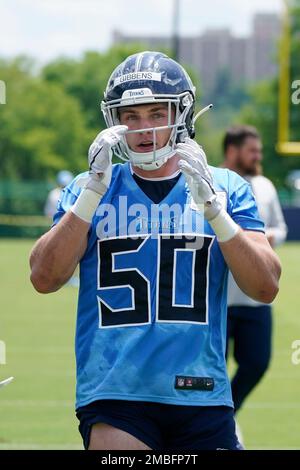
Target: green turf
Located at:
point(37, 411)
point(271, 415)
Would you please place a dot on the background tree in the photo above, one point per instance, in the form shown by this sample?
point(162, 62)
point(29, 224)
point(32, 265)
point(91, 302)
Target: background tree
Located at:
point(41, 128)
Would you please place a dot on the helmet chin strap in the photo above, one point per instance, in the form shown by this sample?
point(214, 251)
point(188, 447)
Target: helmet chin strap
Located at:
point(161, 157)
point(152, 166)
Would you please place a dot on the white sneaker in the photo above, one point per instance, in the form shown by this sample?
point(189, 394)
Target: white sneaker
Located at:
point(239, 434)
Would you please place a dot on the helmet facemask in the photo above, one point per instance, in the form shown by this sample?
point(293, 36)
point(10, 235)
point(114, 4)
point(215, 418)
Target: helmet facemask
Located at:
point(183, 106)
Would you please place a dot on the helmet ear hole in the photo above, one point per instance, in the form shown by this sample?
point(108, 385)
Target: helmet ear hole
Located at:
point(192, 132)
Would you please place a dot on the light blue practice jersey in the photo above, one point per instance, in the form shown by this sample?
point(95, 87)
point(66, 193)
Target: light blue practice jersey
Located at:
point(151, 322)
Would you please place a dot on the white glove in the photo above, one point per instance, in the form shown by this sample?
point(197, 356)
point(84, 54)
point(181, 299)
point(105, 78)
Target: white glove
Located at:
point(100, 156)
point(193, 164)
point(198, 176)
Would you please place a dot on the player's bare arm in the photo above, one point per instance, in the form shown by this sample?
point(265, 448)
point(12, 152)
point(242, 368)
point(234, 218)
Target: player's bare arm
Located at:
point(56, 255)
point(255, 266)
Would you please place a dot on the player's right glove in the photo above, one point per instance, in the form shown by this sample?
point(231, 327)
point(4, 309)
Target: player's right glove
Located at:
point(99, 157)
point(100, 169)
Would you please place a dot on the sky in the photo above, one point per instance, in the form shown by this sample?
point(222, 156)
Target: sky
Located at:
point(45, 29)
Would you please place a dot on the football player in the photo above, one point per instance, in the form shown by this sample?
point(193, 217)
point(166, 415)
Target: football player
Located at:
point(154, 237)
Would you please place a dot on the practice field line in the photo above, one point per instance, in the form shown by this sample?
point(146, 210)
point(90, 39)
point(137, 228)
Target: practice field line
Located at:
point(260, 447)
point(34, 446)
point(273, 405)
point(45, 403)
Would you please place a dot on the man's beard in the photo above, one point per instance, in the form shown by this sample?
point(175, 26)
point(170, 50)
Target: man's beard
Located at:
point(252, 169)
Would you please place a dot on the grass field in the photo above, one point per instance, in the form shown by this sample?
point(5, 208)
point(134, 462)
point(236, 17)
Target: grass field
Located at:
point(36, 410)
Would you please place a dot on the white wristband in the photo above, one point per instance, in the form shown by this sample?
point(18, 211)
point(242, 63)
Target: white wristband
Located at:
point(86, 205)
point(224, 227)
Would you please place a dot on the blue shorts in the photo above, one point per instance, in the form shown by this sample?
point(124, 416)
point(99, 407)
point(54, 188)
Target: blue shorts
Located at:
point(162, 426)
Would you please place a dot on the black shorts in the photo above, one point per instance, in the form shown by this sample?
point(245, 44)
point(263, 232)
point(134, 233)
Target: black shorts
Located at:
point(164, 427)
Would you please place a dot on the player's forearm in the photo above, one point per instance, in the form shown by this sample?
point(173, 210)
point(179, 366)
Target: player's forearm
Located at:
point(254, 265)
point(56, 254)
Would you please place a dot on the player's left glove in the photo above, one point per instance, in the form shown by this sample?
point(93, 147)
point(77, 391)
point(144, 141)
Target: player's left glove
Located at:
point(194, 165)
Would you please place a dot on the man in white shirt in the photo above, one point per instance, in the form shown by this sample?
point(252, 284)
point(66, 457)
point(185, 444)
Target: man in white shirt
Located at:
point(249, 321)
